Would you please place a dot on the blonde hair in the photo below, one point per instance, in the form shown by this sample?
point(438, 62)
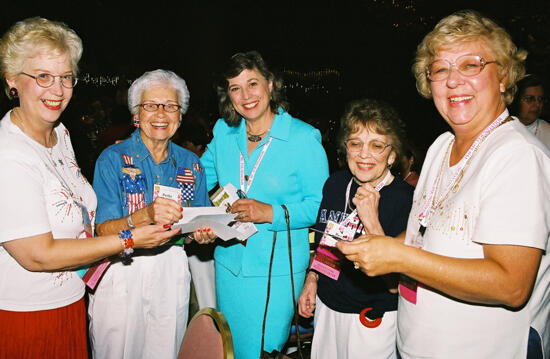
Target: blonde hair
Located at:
point(30, 36)
point(466, 26)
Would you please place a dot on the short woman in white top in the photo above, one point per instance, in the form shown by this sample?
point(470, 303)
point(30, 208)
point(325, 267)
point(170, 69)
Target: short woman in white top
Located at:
point(476, 248)
point(528, 106)
point(48, 207)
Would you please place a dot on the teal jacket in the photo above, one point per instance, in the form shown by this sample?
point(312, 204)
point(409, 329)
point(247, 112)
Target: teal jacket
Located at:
point(292, 172)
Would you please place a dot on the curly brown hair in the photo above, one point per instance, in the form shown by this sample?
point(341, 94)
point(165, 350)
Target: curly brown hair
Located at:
point(251, 60)
point(375, 115)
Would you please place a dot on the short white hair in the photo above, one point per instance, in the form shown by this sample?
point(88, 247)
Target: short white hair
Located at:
point(157, 77)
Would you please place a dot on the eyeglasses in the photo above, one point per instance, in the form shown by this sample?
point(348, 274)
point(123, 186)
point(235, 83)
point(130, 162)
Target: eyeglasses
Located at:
point(153, 107)
point(47, 80)
point(374, 147)
point(530, 99)
point(467, 65)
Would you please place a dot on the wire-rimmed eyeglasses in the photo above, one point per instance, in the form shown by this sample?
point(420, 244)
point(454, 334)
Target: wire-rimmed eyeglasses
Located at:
point(467, 65)
point(47, 80)
point(374, 147)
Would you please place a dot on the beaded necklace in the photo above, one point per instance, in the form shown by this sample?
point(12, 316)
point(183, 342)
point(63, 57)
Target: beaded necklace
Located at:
point(431, 202)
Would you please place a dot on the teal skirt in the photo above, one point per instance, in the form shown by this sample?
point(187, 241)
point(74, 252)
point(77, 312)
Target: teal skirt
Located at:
point(242, 302)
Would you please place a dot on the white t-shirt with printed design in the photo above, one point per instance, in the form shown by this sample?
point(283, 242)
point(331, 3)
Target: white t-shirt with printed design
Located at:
point(503, 198)
point(41, 192)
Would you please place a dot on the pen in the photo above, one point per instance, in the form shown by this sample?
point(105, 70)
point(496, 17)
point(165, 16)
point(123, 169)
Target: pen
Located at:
point(241, 194)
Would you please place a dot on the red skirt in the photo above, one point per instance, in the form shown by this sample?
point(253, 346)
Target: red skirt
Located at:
point(56, 333)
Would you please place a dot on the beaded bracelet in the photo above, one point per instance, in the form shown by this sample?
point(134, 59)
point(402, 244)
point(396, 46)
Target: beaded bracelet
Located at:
point(127, 242)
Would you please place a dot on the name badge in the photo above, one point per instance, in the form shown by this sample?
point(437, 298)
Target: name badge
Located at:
point(172, 193)
point(408, 287)
point(328, 258)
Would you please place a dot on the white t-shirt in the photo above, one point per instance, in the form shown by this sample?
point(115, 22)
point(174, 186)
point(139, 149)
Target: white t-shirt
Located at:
point(541, 130)
point(503, 198)
point(41, 192)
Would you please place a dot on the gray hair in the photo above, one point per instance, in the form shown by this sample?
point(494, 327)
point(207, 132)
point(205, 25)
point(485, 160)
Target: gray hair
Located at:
point(157, 77)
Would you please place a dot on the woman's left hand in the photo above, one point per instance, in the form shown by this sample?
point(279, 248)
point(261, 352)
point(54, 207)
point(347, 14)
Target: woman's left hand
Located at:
point(203, 235)
point(366, 201)
point(250, 210)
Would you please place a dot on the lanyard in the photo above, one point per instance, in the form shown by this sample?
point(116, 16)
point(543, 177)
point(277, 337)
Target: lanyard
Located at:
point(431, 203)
point(348, 189)
point(254, 169)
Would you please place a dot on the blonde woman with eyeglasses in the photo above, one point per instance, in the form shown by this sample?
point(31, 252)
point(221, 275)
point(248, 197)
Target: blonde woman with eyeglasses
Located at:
point(474, 259)
point(48, 207)
point(354, 314)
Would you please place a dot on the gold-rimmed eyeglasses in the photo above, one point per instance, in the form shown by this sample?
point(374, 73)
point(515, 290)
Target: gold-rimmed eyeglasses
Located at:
point(153, 107)
point(374, 147)
point(47, 80)
point(467, 65)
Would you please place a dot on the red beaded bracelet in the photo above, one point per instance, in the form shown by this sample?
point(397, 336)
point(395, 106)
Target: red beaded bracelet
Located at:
point(127, 242)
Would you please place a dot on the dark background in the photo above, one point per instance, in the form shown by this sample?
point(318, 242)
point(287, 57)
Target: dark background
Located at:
point(328, 52)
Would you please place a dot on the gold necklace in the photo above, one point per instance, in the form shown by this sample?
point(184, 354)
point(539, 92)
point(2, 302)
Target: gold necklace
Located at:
point(49, 149)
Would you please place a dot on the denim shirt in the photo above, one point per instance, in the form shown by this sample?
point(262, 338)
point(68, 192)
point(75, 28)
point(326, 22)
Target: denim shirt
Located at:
point(111, 191)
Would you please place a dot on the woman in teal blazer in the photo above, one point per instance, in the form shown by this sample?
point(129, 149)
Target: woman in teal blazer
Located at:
point(275, 159)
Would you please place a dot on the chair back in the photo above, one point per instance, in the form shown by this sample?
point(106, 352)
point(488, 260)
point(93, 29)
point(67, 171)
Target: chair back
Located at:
point(207, 337)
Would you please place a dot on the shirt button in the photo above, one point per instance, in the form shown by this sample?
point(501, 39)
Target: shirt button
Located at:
point(158, 176)
point(170, 178)
point(137, 156)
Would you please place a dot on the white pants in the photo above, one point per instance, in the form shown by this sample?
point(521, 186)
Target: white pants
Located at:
point(140, 310)
point(203, 273)
point(342, 336)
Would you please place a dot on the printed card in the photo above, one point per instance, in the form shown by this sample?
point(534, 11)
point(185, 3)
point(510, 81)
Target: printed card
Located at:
point(172, 193)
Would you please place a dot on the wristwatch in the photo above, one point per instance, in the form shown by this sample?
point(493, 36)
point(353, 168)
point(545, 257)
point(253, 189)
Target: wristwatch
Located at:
point(129, 222)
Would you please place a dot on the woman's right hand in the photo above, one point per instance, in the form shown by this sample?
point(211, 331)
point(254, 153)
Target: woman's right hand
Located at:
point(160, 211)
point(306, 301)
point(153, 235)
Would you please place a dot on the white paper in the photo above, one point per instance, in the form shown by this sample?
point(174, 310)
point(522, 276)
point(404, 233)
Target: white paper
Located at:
point(223, 198)
point(211, 217)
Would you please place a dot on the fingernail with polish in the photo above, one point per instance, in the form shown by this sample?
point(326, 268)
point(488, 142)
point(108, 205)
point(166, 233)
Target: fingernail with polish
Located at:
point(167, 225)
point(199, 230)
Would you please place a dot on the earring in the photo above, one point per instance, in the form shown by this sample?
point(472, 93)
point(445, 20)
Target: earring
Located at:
point(13, 92)
point(136, 122)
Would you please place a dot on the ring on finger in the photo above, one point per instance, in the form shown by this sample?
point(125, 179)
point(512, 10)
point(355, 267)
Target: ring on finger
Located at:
point(355, 265)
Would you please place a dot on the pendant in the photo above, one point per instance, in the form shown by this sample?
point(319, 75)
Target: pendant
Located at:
point(254, 138)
